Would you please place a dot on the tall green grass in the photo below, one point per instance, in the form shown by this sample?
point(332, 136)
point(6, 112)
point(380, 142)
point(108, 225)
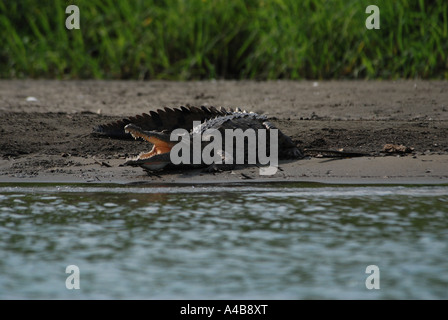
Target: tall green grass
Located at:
point(197, 39)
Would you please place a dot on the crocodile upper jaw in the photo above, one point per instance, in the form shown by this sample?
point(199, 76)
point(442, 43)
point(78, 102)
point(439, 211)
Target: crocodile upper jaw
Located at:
point(159, 156)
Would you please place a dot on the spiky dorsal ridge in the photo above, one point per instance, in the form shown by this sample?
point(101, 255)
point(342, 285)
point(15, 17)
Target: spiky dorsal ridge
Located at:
point(166, 119)
point(218, 121)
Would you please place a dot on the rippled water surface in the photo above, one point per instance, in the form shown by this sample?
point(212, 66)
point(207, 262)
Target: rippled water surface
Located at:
point(278, 241)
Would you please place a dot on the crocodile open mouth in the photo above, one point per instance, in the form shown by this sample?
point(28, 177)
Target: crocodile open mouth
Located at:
point(160, 141)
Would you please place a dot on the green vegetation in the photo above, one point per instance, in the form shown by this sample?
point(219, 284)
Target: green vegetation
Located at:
point(197, 39)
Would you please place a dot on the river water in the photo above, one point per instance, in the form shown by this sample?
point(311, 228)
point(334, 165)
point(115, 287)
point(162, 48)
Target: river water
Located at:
point(240, 241)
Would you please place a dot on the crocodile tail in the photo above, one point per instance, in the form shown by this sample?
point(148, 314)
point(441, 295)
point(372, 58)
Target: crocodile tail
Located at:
point(167, 119)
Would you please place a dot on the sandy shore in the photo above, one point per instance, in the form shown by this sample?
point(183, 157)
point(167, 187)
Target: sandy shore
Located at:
point(46, 128)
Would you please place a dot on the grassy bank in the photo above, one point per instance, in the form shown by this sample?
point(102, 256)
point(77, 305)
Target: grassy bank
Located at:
point(195, 39)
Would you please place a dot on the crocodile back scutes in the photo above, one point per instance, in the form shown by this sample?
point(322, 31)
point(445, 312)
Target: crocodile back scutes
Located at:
point(166, 119)
point(234, 120)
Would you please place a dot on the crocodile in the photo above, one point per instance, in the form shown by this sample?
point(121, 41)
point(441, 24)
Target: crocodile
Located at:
point(157, 126)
